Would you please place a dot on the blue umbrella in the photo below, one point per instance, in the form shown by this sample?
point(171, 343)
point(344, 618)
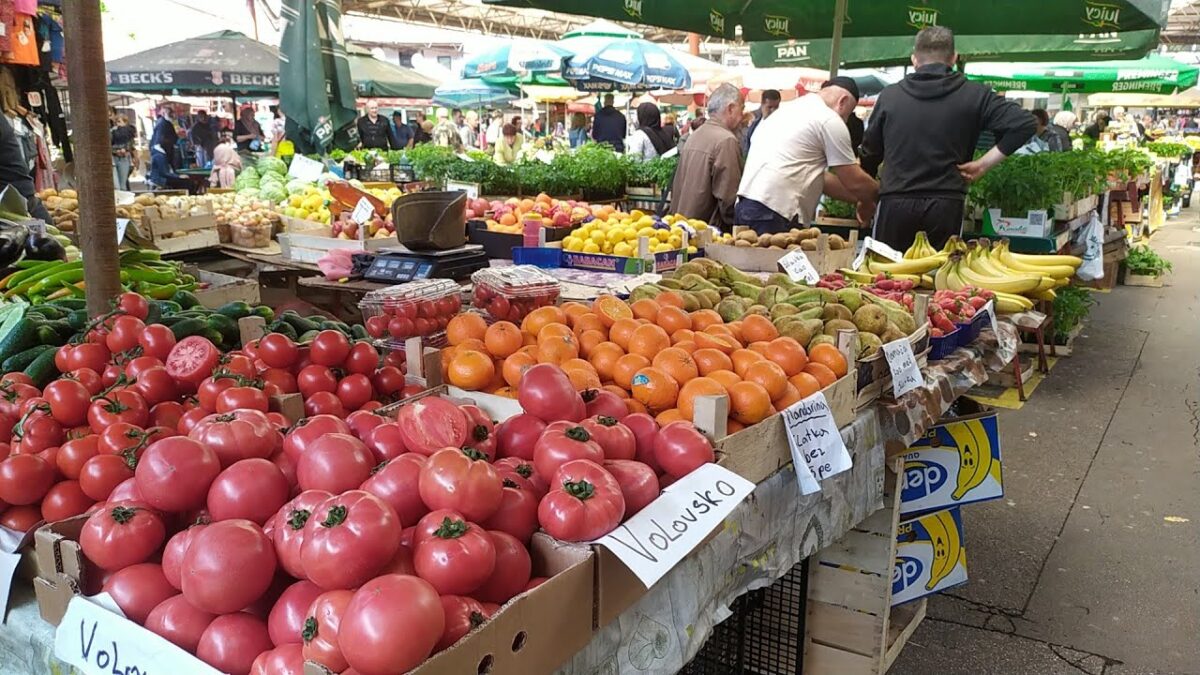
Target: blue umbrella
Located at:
point(515, 59)
point(623, 63)
point(471, 93)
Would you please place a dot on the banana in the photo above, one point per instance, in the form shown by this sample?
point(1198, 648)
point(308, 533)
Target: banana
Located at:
point(926, 281)
point(918, 266)
point(1070, 260)
point(1010, 284)
point(954, 280)
point(1007, 303)
point(947, 548)
point(1010, 260)
point(974, 455)
point(920, 247)
point(983, 264)
point(857, 276)
point(940, 282)
point(1047, 294)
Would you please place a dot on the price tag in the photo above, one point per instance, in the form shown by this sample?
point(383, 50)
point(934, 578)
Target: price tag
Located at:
point(99, 642)
point(363, 211)
point(654, 540)
point(990, 308)
point(465, 157)
point(906, 375)
point(799, 267)
point(305, 169)
point(818, 450)
point(544, 156)
point(122, 225)
point(882, 249)
point(472, 189)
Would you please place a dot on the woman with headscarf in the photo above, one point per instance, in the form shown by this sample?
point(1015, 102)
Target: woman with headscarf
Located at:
point(226, 162)
point(651, 139)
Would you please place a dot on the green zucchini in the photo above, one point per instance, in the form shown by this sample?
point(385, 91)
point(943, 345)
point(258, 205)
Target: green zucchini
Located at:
point(188, 326)
point(234, 310)
point(42, 370)
point(20, 361)
point(22, 336)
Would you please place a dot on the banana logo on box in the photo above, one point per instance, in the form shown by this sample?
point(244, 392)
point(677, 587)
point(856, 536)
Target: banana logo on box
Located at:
point(956, 463)
point(974, 455)
point(930, 556)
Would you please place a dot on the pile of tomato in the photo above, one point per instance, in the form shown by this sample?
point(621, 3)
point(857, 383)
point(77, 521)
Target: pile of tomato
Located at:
point(402, 319)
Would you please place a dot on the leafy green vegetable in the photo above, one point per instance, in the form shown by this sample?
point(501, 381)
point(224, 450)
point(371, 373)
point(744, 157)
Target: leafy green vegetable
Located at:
point(1169, 149)
point(1072, 304)
point(1143, 260)
point(836, 208)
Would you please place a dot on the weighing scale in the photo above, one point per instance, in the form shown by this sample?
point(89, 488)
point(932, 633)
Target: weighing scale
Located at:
point(397, 265)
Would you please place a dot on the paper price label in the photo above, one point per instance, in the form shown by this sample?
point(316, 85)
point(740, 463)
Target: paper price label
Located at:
point(654, 540)
point(99, 642)
point(122, 226)
point(363, 211)
point(472, 189)
point(818, 450)
point(799, 267)
point(906, 375)
point(882, 249)
point(303, 168)
point(990, 308)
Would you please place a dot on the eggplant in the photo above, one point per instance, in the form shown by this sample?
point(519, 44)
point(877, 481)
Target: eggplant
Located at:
point(13, 238)
point(44, 248)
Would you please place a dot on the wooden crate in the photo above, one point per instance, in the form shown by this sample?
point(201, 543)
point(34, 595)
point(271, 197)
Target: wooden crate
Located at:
point(199, 230)
point(851, 627)
point(756, 259)
point(223, 288)
point(308, 242)
point(1149, 280)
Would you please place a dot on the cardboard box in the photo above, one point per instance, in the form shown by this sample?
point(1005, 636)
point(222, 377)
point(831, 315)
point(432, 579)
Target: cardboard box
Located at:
point(661, 262)
point(956, 462)
point(199, 230)
point(62, 571)
point(1035, 224)
point(756, 259)
point(1070, 208)
point(308, 242)
point(223, 288)
point(930, 556)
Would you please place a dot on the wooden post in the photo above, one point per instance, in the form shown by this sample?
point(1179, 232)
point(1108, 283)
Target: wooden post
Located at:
point(93, 153)
point(835, 45)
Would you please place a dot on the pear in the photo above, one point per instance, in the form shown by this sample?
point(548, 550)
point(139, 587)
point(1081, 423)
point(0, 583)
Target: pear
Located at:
point(852, 298)
point(834, 325)
point(871, 319)
point(868, 344)
point(801, 330)
point(783, 309)
point(772, 295)
point(837, 311)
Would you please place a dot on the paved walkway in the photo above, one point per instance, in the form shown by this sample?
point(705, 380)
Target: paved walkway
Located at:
point(1091, 562)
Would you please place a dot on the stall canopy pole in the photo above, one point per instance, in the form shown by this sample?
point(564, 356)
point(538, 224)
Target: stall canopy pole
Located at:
point(835, 44)
point(93, 153)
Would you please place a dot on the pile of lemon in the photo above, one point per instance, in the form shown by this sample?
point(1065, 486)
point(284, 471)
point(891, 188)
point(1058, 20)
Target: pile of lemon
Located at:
point(618, 235)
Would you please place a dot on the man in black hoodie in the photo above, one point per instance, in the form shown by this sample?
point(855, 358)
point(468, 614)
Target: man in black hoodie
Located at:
point(923, 130)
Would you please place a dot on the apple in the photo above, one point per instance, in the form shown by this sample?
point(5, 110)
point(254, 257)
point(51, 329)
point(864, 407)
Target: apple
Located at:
point(561, 219)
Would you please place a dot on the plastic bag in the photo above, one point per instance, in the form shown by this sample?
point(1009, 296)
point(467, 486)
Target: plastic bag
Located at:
point(336, 264)
point(1093, 251)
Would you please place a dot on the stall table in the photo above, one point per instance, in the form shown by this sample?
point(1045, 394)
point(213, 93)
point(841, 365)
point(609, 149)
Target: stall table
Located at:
point(197, 179)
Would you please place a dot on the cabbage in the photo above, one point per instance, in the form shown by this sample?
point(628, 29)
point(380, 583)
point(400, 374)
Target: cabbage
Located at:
point(249, 171)
point(271, 179)
point(274, 165)
point(251, 192)
point(273, 193)
point(297, 186)
point(245, 182)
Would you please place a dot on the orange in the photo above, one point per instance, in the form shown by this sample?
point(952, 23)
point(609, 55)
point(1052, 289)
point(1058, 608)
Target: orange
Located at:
point(742, 358)
point(603, 358)
point(688, 346)
point(749, 403)
point(616, 391)
point(530, 349)
point(588, 340)
point(583, 364)
point(758, 328)
point(514, 366)
point(574, 310)
point(543, 197)
point(760, 347)
point(508, 219)
point(822, 372)
point(790, 397)
point(625, 368)
point(709, 359)
point(466, 325)
point(448, 356)
point(581, 374)
point(648, 340)
point(554, 330)
point(506, 392)
point(621, 331)
point(733, 426)
point(673, 318)
point(734, 330)
point(829, 356)
point(471, 370)
point(526, 204)
point(655, 389)
point(669, 299)
point(700, 386)
point(805, 384)
point(667, 416)
point(538, 318)
point(474, 344)
point(527, 339)
point(727, 378)
point(589, 321)
point(645, 309)
point(682, 335)
point(502, 339)
point(610, 308)
point(635, 406)
point(677, 363)
point(557, 350)
point(769, 375)
point(703, 318)
point(788, 353)
point(722, 343)
point(497, 380)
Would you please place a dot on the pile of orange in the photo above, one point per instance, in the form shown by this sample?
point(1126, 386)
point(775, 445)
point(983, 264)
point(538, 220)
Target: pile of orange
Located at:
point(651, 353)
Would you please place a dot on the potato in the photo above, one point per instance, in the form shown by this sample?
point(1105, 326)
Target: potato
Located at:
point(836, 243)
point(779, 240)
point(68, 194)
point(742, 243)
point(808, 245)
point(747, 235)
point(810, 233)
point(764, 241)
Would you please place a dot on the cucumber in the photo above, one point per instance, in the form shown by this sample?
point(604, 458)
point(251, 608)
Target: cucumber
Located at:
point(70, 304)
point(42, 370)
point(185, 299)
point(225, 326)
point(234, 310)
point(359, 331)
point(299, 324)
point(284, 328)
point(167, 307)
point(188, 326)
point(78, 319)
point(48, 335)
point(51, 311)
point(213, 335)
point(338, 326)
point(153, 312)
point(22, 336)
point(21, 361)
point(308, 337)
point(171, 320)
point(265, 312)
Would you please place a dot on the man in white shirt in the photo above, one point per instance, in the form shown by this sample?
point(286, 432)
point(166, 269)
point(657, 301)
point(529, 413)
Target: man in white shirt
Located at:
point(785, 172)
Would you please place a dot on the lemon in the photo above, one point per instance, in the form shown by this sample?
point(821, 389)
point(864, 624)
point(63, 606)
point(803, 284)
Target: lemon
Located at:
point(675, 241)
point(623, 249)
point(661, 248)
point(692, 250)
point(615, 235)
point(607, 247)
point(573, 244)
point(662, 235)
point(646, 232)
point(591, 247)
point(698, 225)
point(636, 214)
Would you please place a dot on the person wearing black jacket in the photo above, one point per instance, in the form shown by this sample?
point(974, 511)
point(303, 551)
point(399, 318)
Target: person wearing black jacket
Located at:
point(923, 130)
point(14, 171)
point(609, 125)
point(375, 132)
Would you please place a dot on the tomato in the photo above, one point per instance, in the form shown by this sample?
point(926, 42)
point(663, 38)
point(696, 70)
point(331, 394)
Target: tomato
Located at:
point(432, 423)
point(481, 432)
point(457, 559)
point(547, 393)
point(321, 629)
point(288, 535)
point(680, 449)
point(278, 351)
point(120, 437)
point(561, 443)
point(329, 348)
point(286, 620)
point(362, 359)
point(461, 480)
point(462, 616)
point(517, 514)
point(73, 454)
point(87, 355)
point(179, 622)
point(309, 430)
point(111, 375)
point(63, 500)
point(190, 419)
point(395, 482)
point(285, 659)
point(324, 403)
point(211, 388)
point(516, 436)
point(232, 642)
point(348, 539)
point(124, 333)
point(354, 390)
point(243, 434)
point(157, 340)
point(138, 589)
point(16, 378)
point(242, 398)
point(603, 402)
point(69, 401)
point(522, 472)
point(118, 406)
point(314, 378)
point(140, 364)
point(384, 608)
point(167, 414)
point(584, 502)
point(512, 571)
point(281, 379)
point(362, 422)
point(614, 438)
point(645, 431)
point(173, 551)
point(385, 441)
point(127, 491)
point(24, 479)
point(21, 518)
point(156, 386)
point(191, 360)
point(287, 467)
point(431, 522)
point(237, 364)
point(252, 489)
point(334, 462)
point(174, 474)
point(37, 429)
point(13, 398)
point(388, 381)
point(133, 304)
point(402, 562)
point(102, 473)
point(639, 483)
point(121, 534)
point(228, 565)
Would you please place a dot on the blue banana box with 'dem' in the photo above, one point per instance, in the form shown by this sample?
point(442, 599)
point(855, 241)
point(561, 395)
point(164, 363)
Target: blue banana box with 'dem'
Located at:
point(931, 556)
point(956, 462)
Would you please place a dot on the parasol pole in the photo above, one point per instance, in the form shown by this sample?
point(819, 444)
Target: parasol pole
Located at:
point(835, 45)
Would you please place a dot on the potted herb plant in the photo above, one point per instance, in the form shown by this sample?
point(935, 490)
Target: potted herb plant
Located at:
point(1144, 267)
point(1072, 304)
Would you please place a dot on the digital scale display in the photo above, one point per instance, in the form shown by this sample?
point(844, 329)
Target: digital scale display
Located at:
point(401, 267)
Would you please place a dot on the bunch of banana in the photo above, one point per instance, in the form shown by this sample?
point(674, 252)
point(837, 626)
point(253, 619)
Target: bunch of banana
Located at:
point(956, 274)
point(911, 266)
point(919, 280)
point(920, 248)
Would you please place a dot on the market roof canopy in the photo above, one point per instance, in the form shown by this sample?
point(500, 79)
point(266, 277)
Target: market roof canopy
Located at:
point(1151, 75)
point(225, 62)
point(1184, 99)
point(804, 19)
point(376, 78)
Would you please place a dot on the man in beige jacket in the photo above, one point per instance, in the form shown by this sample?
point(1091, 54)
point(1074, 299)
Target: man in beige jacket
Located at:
point(710, 163)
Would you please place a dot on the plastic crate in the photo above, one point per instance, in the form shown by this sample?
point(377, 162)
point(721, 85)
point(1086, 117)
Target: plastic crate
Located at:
point(970, 330)
point(510, 293)
point(942, 347)
point(396, 313)
point(537, 256)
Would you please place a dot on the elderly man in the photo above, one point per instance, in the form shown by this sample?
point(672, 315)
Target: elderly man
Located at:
point(1058, 134)
point(924, 130)
point(710, 163)
point(374, 132)
point(800, 153)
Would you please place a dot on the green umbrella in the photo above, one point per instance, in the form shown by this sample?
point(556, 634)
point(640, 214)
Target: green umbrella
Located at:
point(374, 77)
point(315, 89)
point(1151, 75)
point(225, 62)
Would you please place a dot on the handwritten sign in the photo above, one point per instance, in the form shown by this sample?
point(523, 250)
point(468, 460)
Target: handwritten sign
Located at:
point(363, 211)
point(799, 267)
point(122, 225)
point(305, 169)
point(882, 249)
point(99, 642)
point(654, 540)
point(990, 308)
point(906, 375)
point(472, 189)
point(818, 450)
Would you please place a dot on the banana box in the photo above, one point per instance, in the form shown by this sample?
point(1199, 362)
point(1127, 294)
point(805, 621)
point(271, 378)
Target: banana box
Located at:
point(930, 556)
point(956, 462)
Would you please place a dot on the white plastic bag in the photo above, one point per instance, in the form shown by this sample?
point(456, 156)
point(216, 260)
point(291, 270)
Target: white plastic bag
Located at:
point(1093, 251)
